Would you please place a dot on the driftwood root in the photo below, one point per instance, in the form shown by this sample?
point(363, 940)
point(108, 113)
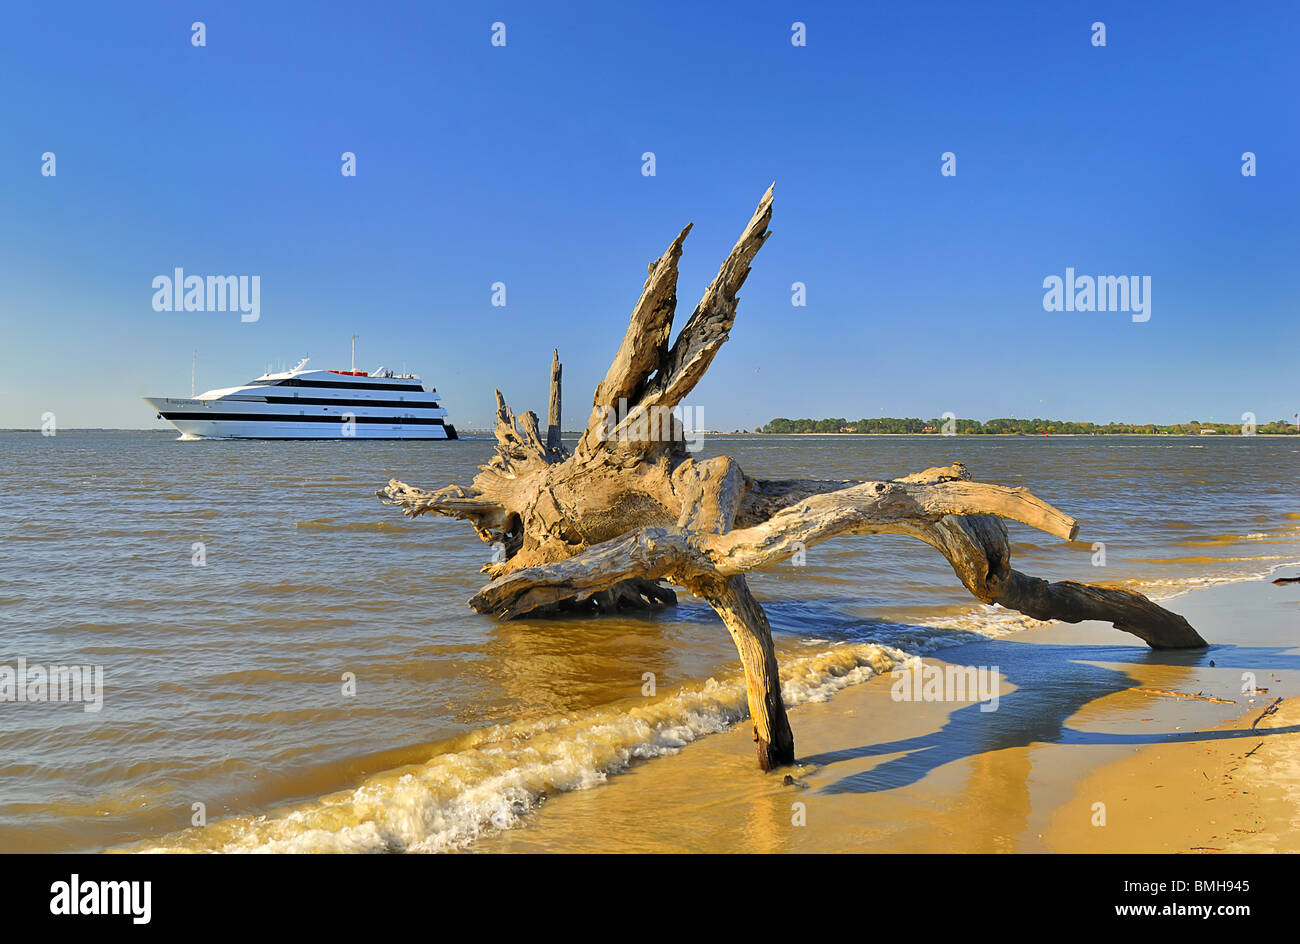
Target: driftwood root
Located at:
point(630, 511)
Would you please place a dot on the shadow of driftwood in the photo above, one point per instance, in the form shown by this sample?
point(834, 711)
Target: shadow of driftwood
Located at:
point(1053, 682)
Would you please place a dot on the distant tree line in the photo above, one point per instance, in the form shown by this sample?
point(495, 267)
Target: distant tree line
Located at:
point(1034, 427)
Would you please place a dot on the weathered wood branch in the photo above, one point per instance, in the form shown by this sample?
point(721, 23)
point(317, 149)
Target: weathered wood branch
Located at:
point(553, 410)
point(710, 324)
point(645, 344)
point(647, 376)
point(1073, 602)
point(752, 635)
point(952, 516)
point(630, 511)
point(651, 553)
point(877, 507)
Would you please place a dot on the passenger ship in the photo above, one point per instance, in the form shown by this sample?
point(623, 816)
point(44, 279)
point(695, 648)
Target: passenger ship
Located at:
point(312, 404)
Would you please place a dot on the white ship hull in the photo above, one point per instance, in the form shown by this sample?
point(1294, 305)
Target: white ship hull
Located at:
point(327, 427)
point(316, 404)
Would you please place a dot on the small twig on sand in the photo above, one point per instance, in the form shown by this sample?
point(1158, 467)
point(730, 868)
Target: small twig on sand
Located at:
point(1254, 749)
point(1198, 696)
point(1270, 710)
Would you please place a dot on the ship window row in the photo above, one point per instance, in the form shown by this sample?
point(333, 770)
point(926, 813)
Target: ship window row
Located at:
point(343, 402)
point(299, 382)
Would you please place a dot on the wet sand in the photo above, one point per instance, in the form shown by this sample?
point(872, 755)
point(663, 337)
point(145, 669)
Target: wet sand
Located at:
point(1071, 730)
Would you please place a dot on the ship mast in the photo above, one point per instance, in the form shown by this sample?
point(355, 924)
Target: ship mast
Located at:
point(194, 364)
point(354, 352)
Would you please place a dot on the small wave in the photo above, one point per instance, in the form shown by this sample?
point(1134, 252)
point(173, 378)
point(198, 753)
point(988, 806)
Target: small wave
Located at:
point(985, 619)
point(142, 533)
point(1221, 540)
point(1204, 559)
point(285, 588)
point(994, 620)
point(493, 779)
point(329, 524)
point(1160, 590)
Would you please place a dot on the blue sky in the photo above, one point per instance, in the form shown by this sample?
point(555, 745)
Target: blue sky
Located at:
point(522, 164)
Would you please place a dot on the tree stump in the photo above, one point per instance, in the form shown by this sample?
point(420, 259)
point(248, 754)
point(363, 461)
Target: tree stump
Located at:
point(630, 511)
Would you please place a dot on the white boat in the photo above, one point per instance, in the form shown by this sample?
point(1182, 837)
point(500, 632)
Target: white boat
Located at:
point(312, 404)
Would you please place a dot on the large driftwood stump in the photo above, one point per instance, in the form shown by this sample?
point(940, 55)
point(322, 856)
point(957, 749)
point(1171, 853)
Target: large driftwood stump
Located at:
point(631, 511)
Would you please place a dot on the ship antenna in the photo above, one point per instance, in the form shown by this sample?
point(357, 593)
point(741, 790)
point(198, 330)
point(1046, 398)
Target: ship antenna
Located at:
point(194, 364)
point(354, 353)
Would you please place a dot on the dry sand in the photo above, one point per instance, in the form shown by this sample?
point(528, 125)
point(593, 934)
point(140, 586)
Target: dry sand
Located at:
point(1238, 794)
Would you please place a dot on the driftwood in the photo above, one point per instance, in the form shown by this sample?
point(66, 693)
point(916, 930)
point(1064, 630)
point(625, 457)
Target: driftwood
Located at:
point(1270, 710)
point(630, 511)
point(1166, 693)
point(553, 408)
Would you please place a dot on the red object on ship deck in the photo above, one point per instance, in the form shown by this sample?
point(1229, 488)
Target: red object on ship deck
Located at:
point(351, 373)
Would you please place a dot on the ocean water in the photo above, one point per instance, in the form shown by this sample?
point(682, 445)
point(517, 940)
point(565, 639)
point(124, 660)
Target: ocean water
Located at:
point(230, 591)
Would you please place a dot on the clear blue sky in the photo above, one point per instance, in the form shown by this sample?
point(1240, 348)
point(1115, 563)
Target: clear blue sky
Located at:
point(522, 164)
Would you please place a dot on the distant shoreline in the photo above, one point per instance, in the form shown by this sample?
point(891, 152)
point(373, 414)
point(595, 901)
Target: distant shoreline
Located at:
point(1010, 426)
point(487, 434)
point(1024, 435)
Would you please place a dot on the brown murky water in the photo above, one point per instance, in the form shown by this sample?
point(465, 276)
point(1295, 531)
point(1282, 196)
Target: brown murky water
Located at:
point(224, 683)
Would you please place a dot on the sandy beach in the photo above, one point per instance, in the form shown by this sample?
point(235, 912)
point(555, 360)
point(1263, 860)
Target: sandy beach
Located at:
point(1079, 722)
point(1237, 789)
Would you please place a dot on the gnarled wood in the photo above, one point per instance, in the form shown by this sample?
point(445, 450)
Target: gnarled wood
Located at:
point(747, 623)
point(630, 511)
point(553, 407)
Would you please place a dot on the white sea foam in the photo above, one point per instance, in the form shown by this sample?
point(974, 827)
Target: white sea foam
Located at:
point(504, 772)
point(995, 621)
point(1168, 589)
